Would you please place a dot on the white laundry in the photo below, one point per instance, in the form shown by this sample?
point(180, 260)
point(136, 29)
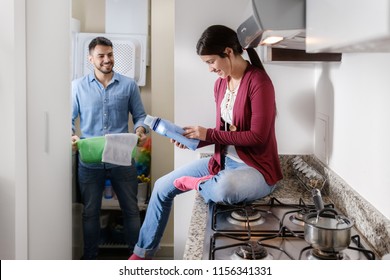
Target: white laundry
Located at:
point(119, 148)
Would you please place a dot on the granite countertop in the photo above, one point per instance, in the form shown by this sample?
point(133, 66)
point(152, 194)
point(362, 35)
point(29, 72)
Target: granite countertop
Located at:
point(289, 190)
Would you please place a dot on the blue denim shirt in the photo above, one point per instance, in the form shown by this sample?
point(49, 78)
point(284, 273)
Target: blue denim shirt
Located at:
point(106, 110)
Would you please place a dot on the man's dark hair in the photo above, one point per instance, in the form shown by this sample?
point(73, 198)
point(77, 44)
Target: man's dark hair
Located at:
point(99, 41)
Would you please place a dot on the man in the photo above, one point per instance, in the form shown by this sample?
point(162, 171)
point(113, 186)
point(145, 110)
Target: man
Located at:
point(103, 100)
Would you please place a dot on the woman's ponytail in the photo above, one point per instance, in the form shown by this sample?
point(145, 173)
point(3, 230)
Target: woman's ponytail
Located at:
point(254, 58)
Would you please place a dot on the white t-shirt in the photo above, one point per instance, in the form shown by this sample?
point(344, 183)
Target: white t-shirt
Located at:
point(227, 105)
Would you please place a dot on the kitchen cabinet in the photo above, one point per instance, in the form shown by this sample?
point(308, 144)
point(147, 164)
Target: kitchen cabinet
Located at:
point(347, 26)
point(278, 55)
point(48, 104)
point(35, 180)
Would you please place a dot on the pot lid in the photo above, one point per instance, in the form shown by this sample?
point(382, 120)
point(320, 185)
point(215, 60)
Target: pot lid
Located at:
point(328, 219)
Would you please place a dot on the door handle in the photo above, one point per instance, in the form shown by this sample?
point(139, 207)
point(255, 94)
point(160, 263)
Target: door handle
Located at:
point(46, 132)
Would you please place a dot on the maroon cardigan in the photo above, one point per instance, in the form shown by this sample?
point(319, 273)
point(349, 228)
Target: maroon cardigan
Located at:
point(254, 116)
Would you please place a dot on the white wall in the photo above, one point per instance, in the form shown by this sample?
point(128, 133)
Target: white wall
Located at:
point(294, 90)
point(194, 99)
point(355, 95)
point(162, 40)
point(7, 147)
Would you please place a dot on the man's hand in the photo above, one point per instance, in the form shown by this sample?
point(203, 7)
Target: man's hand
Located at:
point(75, 138)
point(140, 132)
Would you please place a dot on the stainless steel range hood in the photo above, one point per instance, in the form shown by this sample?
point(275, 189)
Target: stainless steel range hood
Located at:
point(280, 26)
point(280, 23)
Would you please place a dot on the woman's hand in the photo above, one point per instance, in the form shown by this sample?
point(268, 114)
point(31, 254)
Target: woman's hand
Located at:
point(177, 144)
point(195, 132)
point(191, 132)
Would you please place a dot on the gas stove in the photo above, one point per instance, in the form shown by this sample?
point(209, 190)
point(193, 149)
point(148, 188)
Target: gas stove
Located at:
point(269, 230)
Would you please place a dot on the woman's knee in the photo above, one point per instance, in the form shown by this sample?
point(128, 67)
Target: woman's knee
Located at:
point(160, 185)
point(164, 189)
point(226, 191)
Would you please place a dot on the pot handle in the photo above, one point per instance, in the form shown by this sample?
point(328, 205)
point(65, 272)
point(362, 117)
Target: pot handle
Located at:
point(322, 211)
point(317, 198)
point(340, 218)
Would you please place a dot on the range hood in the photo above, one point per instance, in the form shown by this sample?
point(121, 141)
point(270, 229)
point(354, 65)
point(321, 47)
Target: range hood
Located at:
point(279, 22)
point(279, 26)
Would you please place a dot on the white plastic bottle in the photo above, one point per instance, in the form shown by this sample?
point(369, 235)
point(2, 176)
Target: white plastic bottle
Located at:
point(170, 130)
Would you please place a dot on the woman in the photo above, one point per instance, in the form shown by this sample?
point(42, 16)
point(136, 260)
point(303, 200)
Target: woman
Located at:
point(245, 165)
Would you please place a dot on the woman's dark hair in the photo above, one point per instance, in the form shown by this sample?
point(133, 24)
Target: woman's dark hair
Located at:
point(99, 41)
point(216, 38)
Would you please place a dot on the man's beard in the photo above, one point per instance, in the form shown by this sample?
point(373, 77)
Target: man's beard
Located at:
point(101, 69)
point(105, 72)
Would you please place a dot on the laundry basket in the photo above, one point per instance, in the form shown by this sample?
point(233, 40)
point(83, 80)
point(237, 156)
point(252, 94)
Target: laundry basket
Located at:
point(91, 149)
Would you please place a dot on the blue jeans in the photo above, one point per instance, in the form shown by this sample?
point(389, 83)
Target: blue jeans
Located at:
point(125, 184)
point(236, 183)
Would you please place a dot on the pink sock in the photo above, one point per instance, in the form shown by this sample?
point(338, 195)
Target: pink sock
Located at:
point(187, 183)
point(135, 257)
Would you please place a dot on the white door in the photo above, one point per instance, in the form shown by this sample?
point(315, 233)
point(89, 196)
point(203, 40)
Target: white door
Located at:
point(49, 210)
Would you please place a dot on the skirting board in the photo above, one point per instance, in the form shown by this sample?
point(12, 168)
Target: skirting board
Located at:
point(165, 252)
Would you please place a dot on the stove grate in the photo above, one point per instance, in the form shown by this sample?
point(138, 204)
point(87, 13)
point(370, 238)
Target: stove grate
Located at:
point(280, 236)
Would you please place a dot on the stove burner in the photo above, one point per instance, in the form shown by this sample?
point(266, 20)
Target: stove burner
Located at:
point(251, 251)
point(299, 217)
point(242, 216)
point(316, 254)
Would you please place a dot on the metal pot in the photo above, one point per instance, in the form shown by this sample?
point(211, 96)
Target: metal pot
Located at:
point(328, 231)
